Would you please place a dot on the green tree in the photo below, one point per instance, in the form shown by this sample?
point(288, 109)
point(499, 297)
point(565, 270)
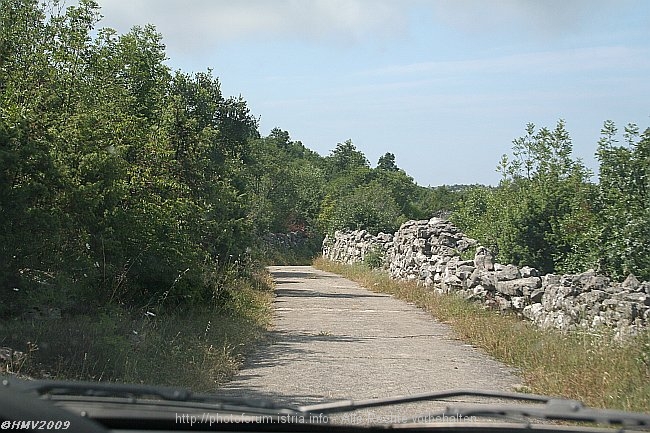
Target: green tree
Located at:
point(442, 200)
point(624, 198)
point(345, 157)
point(350, 177)
point(287, 184)
point(365, 207)
point(117, 177)
point(37, 60)
point(387, 162)
point(542, 213)
point(402, 189)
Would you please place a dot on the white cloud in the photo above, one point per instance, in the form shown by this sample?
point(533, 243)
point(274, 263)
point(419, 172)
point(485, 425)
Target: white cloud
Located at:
point(544, 18)
point(199, 23)
point(192, 25)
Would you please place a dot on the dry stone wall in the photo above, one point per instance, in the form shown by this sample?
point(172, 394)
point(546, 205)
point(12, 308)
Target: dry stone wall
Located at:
point(353, 246)
point(291, 240)
point(438, 255)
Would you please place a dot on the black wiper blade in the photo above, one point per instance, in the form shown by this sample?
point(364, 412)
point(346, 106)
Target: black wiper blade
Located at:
point(103, 389)
point(554, 409)
point(349, 405)
point(137, 392)
point(539, 407)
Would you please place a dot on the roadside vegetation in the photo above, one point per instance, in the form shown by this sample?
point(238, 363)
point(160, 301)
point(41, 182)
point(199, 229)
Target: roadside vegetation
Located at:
point(134, 201)
point(595, 369)
point(196, 347)
point(549, 214)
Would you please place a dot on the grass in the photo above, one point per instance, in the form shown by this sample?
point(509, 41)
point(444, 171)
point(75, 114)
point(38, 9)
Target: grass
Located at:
point(192, 347)
point(595, 369)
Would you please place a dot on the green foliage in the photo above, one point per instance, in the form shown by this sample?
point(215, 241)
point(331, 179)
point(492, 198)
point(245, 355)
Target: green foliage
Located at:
point(546, 213)
point(387, 162)
point(374, 259)
point(442, 200)
point(624, 199)
point(365, 207)
point(286, 184)
point(118, 179)
point(357, 196)
point(345, 158)
point(542, 213)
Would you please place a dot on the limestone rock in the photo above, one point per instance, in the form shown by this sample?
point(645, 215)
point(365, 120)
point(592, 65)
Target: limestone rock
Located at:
point(428, 252)
point(631, 283)
point(507, 273)
point(519, 287)
point(484, 259)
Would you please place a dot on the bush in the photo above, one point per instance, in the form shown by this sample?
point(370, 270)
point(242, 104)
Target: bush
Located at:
point(374, 259)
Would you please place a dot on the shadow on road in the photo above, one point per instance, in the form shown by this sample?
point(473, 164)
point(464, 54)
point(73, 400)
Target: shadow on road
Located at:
point(281, 347)
point(316, 294)
point(278, 276)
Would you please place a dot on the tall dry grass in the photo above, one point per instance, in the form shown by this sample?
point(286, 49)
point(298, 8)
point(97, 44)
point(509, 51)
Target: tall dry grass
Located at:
point(188, 346)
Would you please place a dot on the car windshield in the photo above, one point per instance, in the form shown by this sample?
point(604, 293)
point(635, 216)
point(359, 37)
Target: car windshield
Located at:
point(429, 211)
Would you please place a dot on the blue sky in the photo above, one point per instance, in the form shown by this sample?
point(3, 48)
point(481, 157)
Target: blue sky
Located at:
point(444, 85)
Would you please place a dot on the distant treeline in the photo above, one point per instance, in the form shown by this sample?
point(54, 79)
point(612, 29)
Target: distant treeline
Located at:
point(124, 181)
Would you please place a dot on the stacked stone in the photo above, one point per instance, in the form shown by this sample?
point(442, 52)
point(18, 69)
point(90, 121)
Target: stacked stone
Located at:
point(289, 240)
point(425, 250)
point(430, 252)
point(353, 246)
point(591, 301)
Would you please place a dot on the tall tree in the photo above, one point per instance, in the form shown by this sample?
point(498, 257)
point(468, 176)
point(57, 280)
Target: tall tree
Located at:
point(387, 162)
point(346, 157)
point(542, 213)
point(624, 198)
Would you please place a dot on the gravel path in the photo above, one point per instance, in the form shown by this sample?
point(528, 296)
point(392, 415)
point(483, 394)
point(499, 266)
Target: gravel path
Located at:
point(333, 340)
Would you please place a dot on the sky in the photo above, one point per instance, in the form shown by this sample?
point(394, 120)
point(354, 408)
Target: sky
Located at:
point(445, 85)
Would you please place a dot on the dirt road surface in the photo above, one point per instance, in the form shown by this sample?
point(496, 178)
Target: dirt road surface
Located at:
point(333, 339)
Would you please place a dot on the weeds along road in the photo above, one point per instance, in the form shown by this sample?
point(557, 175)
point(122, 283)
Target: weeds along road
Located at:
point(333, 340)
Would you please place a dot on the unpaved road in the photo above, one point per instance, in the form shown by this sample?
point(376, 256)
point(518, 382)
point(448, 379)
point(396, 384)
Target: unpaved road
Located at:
point(333, 340)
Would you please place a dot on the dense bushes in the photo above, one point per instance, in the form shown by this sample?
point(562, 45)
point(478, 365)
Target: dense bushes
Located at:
point(547, 213)
point(117, 176)
point(624, 202)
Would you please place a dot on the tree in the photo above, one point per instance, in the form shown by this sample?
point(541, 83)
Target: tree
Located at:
point(542, 213)
point(387, 162)
point(286, 184)
point(441, 200)
point(366, 207)
point(38, 236)
point(624, 199)
point(117, 177)
point(401, 188)
point(344, 158)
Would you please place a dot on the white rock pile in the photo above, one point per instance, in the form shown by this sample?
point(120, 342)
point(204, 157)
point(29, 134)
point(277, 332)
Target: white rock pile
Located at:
point(438, 255)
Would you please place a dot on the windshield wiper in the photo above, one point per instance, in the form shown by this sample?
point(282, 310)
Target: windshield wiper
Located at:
point(538, 407)
point(135, 393)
